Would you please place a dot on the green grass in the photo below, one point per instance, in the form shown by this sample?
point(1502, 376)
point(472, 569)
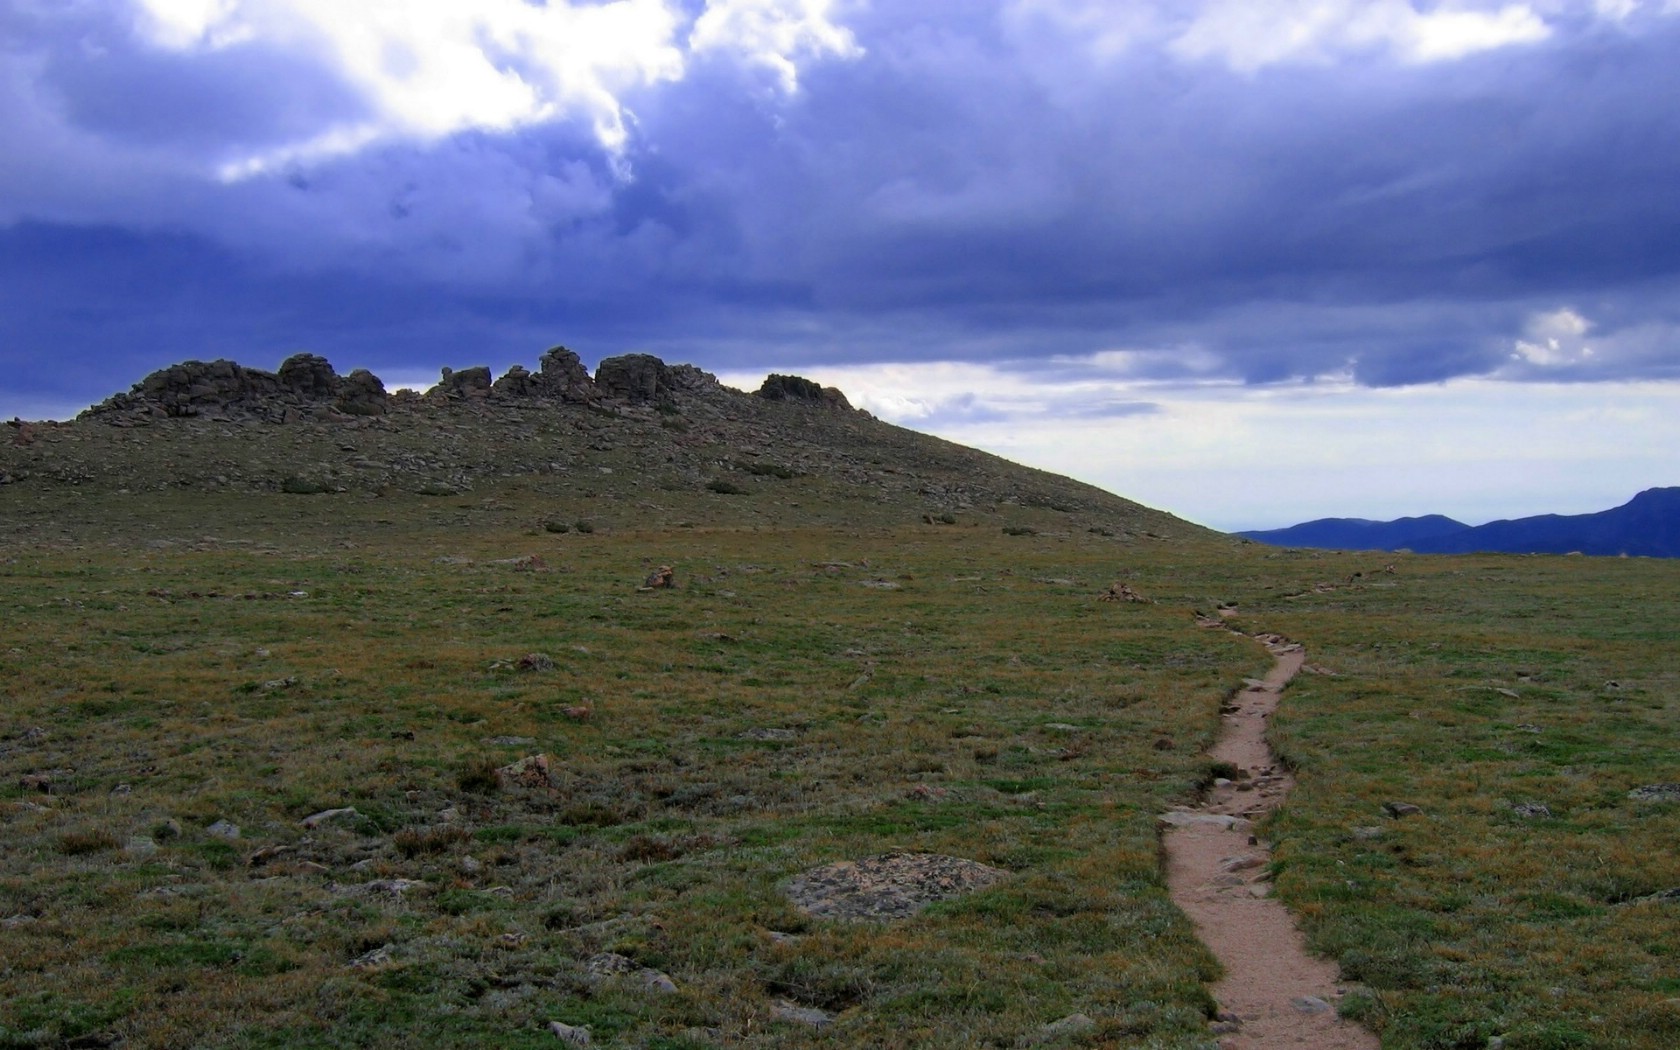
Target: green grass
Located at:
point(781, 710)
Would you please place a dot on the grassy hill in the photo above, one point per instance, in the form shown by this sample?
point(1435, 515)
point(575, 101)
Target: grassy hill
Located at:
point(877, 642)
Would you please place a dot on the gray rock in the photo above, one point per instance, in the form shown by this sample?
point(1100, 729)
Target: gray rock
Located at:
point(1532, 810)
point(1072, 1024)
point(1656, 793)
point(469, 384)
point(793, 1013)
point(608, 964)
point(1401, 809)
point(560, 374)
point(636, 378)
point(1180, 818)
point(1311, 1004)
point(140, 846)
point(575, 1035)
point(330, 816)
point(372, 960)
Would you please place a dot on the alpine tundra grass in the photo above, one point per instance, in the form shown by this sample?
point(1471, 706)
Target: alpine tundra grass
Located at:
point(188, 678)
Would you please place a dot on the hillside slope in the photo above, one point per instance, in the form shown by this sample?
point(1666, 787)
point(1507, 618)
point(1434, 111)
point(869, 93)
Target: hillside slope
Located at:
point(639, 444)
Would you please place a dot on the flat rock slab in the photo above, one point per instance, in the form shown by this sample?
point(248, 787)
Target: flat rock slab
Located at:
point(890, 886)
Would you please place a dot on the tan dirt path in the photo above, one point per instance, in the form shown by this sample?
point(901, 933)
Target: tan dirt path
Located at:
point(1274, 996)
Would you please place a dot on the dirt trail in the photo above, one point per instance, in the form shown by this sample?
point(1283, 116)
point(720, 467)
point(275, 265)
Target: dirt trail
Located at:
point(1274, 995)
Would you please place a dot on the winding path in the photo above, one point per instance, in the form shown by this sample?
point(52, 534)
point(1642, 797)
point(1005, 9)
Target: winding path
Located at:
point(1273, 995)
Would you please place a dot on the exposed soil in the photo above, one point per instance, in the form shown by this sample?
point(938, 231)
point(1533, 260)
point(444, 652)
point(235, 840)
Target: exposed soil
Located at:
point(891, 886)
point(1273, 994)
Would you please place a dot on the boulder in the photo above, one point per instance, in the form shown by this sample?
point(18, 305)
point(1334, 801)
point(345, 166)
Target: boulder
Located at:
point(469, 384)
point(310, 376)
point(798, 388)
point(361, 393)
point(560, 374)
point(636, 378)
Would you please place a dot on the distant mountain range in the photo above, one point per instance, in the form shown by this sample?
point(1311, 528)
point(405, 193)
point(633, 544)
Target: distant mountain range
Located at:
point(1646, 526)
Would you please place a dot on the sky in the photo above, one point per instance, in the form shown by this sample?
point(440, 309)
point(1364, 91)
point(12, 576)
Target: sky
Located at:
point(1251, 261)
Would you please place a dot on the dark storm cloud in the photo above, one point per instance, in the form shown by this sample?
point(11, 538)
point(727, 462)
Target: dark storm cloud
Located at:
point(980, 183)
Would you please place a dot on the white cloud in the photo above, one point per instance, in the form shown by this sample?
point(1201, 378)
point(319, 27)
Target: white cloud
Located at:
point(1238, 457)
point(430, 68)
point(1555, 339)
point(774, 34)
point(1251, 34)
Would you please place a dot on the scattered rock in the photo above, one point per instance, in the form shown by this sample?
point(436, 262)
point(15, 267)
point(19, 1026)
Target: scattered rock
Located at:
point(1063, 1028)
point(530, 772)
point(386, 887)
point(1367, 833)
point(1532, 810)
point(510, 741)
point(372, 960)
point(575, 1035)
point(330, 816)
point(608, 965)
point(1122, 592)
point(1401, 809)
point(793, 1013)
point(1656, 793)
point(1669, 896)
point(889, 886)
point(1183, 818)
point(140, 846)
point(1241, 862)
point(662, 578)
point(223, 829)
point(266, 855)
point(1311, 1004)
point(538, 662)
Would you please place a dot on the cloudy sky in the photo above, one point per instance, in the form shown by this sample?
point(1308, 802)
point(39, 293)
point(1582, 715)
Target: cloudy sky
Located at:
point(1252, 261)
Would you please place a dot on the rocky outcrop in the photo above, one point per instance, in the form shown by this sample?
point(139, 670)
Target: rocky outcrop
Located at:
point(469, 384)
point(560, 374)
point(362, 394)
point(798, 388)
point(305, 385)
point(636, 378)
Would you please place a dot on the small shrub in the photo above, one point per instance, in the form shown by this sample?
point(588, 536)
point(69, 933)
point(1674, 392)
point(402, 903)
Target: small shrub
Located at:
point(1019, 530)
point(561, 527)
point(725, 487)
point(81, 843)
point(479, 776)
point(302, 486)
point(413, 842)
point(585, 527)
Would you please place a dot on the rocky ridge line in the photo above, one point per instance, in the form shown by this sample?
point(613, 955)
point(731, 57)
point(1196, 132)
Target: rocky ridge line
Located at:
point(306, 387)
